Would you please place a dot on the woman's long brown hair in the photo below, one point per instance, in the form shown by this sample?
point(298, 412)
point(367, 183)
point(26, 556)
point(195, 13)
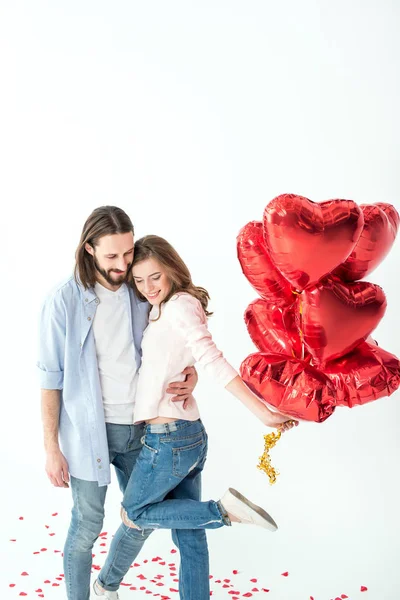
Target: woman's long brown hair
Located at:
point(153, 246)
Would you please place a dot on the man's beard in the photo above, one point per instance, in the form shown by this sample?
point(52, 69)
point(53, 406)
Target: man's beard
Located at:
point(107, 274)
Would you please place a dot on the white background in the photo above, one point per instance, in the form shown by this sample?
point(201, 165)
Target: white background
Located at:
point(191, 116)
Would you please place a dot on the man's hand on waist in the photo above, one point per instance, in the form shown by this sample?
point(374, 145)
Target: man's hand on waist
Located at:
point(183, 390)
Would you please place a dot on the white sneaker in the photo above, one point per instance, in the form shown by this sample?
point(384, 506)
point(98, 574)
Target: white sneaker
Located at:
point(105, 594)
point(247, 512)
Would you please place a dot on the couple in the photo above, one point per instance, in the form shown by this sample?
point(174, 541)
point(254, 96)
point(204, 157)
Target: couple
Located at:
point(129, 307)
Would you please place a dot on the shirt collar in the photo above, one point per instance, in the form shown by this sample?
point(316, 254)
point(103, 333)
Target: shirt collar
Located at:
point(89, 295)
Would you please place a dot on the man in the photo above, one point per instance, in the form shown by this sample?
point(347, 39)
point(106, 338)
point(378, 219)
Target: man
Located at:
point(90, 352)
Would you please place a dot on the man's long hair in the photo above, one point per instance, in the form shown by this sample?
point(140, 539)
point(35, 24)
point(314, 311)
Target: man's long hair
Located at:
point(105, 220)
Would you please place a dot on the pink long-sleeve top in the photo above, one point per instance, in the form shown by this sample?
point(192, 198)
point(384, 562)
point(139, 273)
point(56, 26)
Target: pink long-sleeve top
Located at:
point(178, 339)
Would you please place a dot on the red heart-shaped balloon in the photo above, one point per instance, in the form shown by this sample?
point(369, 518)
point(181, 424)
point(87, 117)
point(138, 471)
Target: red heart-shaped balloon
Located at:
point(273, 329)
point(258, 267)
point(335, 317)
point(307, 240)
point(290, 385)
point(381, 222)
point(365, 374)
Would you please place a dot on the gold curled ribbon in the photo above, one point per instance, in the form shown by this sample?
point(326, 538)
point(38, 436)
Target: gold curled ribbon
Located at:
point(265, 464)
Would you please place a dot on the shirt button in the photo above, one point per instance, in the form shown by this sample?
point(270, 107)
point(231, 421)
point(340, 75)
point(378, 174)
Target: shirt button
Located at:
point(100, 467)
point(99, 460)
point(89, 318)
point(97, 300)
point(80, 344)
point(86, 300)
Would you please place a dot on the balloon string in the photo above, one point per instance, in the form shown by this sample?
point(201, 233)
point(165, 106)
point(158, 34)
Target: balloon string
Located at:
point(301, 326)
point(265, 465)
point(301, 334)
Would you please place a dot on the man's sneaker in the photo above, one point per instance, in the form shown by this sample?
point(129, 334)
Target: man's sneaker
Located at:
point(248, 513)
point(105, 594)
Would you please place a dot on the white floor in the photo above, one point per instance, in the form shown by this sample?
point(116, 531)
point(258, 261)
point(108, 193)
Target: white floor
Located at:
point(336, 503)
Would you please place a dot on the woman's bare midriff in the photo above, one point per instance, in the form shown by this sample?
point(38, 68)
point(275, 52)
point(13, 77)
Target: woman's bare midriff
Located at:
point(159, 420)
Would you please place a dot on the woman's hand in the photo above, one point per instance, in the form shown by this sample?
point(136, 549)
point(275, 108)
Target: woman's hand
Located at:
point(288, 425)
point(279, 420)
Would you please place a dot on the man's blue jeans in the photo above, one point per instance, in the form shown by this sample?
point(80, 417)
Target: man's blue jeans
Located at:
point(88, 514)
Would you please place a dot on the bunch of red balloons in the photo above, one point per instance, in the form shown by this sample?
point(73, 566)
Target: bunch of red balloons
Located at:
point(313, 321)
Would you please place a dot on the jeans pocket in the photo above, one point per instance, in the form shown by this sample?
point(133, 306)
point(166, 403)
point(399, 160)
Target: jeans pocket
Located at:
point(187, 458)
point(147, 445)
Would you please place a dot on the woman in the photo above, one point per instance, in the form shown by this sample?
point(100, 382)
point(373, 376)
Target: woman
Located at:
point(175, 440)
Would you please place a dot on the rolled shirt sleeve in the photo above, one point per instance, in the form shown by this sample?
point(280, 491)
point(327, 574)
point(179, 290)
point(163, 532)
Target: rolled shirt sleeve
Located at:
point(52, 332)
point(189, 316)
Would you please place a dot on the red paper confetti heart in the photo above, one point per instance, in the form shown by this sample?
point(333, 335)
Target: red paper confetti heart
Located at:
point(363, 588)
point(12, 585)
point(24, 573)
point(285, 574)
point(54, 514)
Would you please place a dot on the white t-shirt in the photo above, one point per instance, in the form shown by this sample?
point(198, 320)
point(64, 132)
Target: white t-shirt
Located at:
point(176, 341)
point(112, 329)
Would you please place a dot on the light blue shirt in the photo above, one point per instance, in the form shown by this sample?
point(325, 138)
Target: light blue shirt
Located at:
point(68, 362)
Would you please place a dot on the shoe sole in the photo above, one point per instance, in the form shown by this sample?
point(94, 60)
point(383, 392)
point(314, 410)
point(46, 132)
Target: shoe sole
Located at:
point(257, 509)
